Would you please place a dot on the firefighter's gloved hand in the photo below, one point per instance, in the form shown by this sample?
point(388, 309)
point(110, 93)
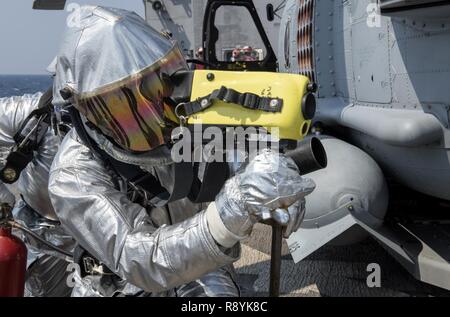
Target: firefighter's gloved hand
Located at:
point(268, 188)
point(291, 219)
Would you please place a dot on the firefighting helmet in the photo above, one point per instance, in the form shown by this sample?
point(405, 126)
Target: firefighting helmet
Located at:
point(117, 69)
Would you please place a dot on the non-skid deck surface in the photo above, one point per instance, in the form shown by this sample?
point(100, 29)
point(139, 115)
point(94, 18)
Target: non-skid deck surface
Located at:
point(331, 271)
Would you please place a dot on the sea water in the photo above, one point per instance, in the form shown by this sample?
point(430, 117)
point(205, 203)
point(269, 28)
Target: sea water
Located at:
point(18, 85)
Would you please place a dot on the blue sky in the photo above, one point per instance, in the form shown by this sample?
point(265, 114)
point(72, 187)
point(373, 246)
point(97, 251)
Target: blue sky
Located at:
point(29, 39)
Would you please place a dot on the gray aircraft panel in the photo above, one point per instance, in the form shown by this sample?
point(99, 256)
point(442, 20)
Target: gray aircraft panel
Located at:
point(401, 63)
point(371, 65)
point(323, 52)
point(342, 42)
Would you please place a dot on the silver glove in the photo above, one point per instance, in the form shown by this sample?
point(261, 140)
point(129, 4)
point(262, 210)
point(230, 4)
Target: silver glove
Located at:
point(291, 219)
point(268, 188)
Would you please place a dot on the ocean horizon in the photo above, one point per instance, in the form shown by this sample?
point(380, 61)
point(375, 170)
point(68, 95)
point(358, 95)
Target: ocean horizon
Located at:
point(19, 85)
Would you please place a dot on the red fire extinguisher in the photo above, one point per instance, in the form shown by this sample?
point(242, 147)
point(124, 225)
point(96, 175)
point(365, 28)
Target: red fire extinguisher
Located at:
point(13, 259)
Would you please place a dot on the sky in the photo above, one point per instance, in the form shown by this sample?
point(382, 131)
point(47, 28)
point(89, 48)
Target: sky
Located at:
point(29, 39)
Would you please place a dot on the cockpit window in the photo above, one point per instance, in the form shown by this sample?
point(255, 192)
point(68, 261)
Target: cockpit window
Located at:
point(239, 39)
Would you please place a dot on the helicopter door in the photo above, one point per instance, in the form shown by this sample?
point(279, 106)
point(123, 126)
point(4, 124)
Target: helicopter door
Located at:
point(234, 37)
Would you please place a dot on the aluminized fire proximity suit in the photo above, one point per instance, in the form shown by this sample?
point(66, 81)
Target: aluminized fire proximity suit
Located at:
point(113, 66)
point(46, 274)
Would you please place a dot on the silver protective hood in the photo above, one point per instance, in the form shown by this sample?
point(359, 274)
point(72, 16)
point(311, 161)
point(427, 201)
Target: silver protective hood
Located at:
point(105, 45)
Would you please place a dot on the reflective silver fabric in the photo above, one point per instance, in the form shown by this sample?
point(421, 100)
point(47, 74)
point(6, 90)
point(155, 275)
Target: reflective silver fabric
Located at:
point(120, 78)
point(6, 196)
point(123, 235)
point(110, 44)
point(34, 179)
point(216, 284)
point(51, 231)
point(263, 190)
point(46, 269)
point(47, 277)
point(220, 283)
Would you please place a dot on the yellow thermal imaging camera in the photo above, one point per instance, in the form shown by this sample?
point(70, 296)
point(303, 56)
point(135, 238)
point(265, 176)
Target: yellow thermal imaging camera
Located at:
point(284, 102)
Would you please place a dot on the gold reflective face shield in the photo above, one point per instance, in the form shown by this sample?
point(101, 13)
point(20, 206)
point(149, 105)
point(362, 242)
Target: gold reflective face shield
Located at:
point(132, 111)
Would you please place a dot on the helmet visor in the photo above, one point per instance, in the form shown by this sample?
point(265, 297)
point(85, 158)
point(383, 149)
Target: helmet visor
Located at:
point(132, 111)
